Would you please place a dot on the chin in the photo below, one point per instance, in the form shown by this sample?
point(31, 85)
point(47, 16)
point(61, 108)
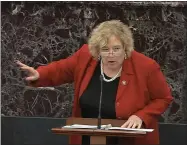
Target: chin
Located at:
point(113, 66)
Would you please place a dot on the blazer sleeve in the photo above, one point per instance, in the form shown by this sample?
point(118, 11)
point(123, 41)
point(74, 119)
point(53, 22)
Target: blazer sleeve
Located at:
point(160, 95)
point(57, 72)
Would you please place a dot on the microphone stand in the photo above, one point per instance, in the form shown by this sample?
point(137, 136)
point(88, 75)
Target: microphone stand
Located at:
point(100, 102)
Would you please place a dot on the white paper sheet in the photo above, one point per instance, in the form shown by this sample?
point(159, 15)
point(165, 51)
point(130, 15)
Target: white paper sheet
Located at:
point(108, 127)
point(130, 129)
point(80, 126)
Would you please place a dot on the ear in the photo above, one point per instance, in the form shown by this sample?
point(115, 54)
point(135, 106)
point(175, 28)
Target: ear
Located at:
point(99, 57)
point(125, 56)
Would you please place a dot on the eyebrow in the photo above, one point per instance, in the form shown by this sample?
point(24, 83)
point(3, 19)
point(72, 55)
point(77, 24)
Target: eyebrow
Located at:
point(117, 46)
point(113, 46)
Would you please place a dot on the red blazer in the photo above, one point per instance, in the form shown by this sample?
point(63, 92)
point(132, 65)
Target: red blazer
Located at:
point(146, 93)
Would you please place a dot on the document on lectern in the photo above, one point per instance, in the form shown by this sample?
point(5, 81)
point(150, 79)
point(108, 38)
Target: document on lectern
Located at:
point(81, 126)
point(130, 129)
point(106, 127)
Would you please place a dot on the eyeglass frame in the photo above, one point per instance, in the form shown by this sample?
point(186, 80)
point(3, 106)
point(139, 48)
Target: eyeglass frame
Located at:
point(113, 51)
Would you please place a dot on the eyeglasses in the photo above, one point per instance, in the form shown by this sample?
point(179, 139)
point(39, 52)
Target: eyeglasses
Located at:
point(115, 51)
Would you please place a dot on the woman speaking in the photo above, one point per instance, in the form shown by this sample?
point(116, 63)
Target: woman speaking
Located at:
point(133, 89)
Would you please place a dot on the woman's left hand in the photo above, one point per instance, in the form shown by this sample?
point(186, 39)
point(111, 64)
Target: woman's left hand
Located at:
point(133, 122)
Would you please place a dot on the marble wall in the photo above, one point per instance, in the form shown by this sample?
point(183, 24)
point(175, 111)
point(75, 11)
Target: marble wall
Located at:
point(37, 33)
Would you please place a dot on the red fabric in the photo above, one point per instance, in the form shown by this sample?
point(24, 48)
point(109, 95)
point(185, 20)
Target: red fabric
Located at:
point(145, 94)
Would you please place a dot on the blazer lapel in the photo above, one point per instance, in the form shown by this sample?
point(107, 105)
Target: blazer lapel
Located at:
point(88, 75)
point(126, 75)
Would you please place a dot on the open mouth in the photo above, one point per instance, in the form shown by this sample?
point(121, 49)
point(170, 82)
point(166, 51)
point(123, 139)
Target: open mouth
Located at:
point(111, 62)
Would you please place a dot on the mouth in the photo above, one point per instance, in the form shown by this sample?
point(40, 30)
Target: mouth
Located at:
point(111, 62)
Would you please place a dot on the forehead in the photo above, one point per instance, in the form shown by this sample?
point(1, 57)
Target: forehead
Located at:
point(114, 38)
point(114, 41)
point(111, 42)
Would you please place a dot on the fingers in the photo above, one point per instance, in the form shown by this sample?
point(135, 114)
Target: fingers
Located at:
point(31, 78)
point(126, 124)
point(24, 67)
point(134, 125)
point(131, 124)
point(33, 74)
point(139, 126)
point(21, 64)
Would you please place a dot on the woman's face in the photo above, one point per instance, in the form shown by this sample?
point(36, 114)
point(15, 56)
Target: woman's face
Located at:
point(113, 54)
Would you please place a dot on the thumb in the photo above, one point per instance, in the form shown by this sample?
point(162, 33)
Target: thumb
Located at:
point(31, 78)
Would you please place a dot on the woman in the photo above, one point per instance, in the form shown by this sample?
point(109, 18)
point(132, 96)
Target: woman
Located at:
point(134, 88)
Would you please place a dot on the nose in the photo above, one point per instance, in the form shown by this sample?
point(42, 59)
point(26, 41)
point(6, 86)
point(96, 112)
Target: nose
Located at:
point(111, 52)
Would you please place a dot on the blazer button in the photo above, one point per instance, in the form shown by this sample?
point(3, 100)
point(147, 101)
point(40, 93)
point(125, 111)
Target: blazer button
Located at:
point(117, 104)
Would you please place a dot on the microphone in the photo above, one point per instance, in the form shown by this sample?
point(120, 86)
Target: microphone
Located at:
point(100, 102)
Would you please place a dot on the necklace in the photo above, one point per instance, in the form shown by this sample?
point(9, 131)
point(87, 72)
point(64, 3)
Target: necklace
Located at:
point(113, 78)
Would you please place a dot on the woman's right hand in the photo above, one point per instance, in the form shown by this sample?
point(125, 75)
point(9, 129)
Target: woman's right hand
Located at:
point(33, 74)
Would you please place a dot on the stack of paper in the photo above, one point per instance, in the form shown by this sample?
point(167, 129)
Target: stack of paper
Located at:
point(80, 126)
point(106, 127)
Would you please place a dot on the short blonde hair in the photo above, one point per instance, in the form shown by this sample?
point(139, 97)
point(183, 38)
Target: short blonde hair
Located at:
point(101, 33)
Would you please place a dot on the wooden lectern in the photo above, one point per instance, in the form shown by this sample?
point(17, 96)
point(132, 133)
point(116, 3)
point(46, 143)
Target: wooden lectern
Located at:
point(97, 136)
